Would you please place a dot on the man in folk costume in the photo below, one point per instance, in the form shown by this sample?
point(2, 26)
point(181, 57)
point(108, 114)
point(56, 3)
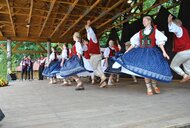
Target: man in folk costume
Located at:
point(182, 48)
point(95, 54)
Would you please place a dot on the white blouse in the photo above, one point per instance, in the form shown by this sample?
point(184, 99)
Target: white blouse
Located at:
point(107, 52)
point(64, 54)
point(52, 56)
point(175, 29)
point(79, 48)
point(160, 37)
point(91, 35)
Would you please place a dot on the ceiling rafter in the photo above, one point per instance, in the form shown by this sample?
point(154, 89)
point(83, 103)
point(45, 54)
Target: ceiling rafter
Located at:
point(105, 12)
point(65, 17)
point(30, 16)
point(79, 19)
point(48, 15)
point(10, 15)
point(135, 15)
point(119, 14)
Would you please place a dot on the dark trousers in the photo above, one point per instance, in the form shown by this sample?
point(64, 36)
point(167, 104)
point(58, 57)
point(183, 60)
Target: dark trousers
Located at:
point(30, 72)
point(40, 70)
point(24, 71)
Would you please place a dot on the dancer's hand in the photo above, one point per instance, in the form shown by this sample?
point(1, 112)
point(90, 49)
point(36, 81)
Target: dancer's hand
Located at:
point(79, 56)
point(166, 55)
point(170, 17)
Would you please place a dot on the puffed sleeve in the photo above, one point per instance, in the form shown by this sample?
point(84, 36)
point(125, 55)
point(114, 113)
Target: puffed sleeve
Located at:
point(135, 40)
point(91, 35)
point(175, 29)
point(52, 56)
point(106, 52)
point(79, 49)
point(64, 54)
point(85, 47)
point(160, 38)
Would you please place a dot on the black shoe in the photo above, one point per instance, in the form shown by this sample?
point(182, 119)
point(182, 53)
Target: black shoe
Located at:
point(79, 88)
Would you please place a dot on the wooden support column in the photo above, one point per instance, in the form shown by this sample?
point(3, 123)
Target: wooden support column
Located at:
point(9, 64)
point(48, 49)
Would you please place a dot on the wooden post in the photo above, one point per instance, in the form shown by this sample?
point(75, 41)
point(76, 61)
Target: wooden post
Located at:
point(48, 49)
point(9, 64)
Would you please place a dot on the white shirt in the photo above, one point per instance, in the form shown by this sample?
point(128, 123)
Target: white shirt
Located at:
point(160, 37)
point(85, 47)
point(52, 56)
point(64, 54)
point(91, 35)
point(41, 61)
point(79, 48)
point(175, 29)
point(107, 52)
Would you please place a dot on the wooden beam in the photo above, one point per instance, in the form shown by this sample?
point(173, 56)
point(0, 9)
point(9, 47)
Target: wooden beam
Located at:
point(65, 17)
point(49, 12)
point(119, 14)
point(17, 46)
point(30, 16)
point(105, 12)
point(135, 15)
point(1, 34)
point(82, 5)
point(29, 52)
point(79, 19)
point(39, 44)
point(10, 15)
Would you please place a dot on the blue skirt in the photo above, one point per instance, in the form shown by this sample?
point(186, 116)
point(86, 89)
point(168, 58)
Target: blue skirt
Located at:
point(48, 71)
point(109, 69)
point(147, 62)
point(72, 66)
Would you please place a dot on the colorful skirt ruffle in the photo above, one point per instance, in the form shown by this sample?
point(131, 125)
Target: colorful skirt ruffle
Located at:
point(148, 63)
point(48, 71)
point(74, 66)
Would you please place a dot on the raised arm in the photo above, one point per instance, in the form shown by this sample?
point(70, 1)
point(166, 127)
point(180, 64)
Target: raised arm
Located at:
point(90, 32)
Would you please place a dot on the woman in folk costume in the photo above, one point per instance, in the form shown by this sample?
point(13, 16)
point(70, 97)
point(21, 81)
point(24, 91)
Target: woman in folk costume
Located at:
point(87, 56)
point(95, 54)
point(63, 59)
point(181, 47)
point(109, 55)
point(52, 65)
point(76, 64)
point(118, 53)
point(145, 59)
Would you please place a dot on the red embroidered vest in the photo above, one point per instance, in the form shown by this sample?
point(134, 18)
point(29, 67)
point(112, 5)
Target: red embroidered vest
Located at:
point(182, 43)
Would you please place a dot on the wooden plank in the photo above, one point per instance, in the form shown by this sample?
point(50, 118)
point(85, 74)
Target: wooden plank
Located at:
point(29, 52)
point(104, 13)
point(65, 17)
point(39, 44)
point(79, 19)
point(10, 15)
point(49, 12)
point(17, 46)
point(30, 16)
